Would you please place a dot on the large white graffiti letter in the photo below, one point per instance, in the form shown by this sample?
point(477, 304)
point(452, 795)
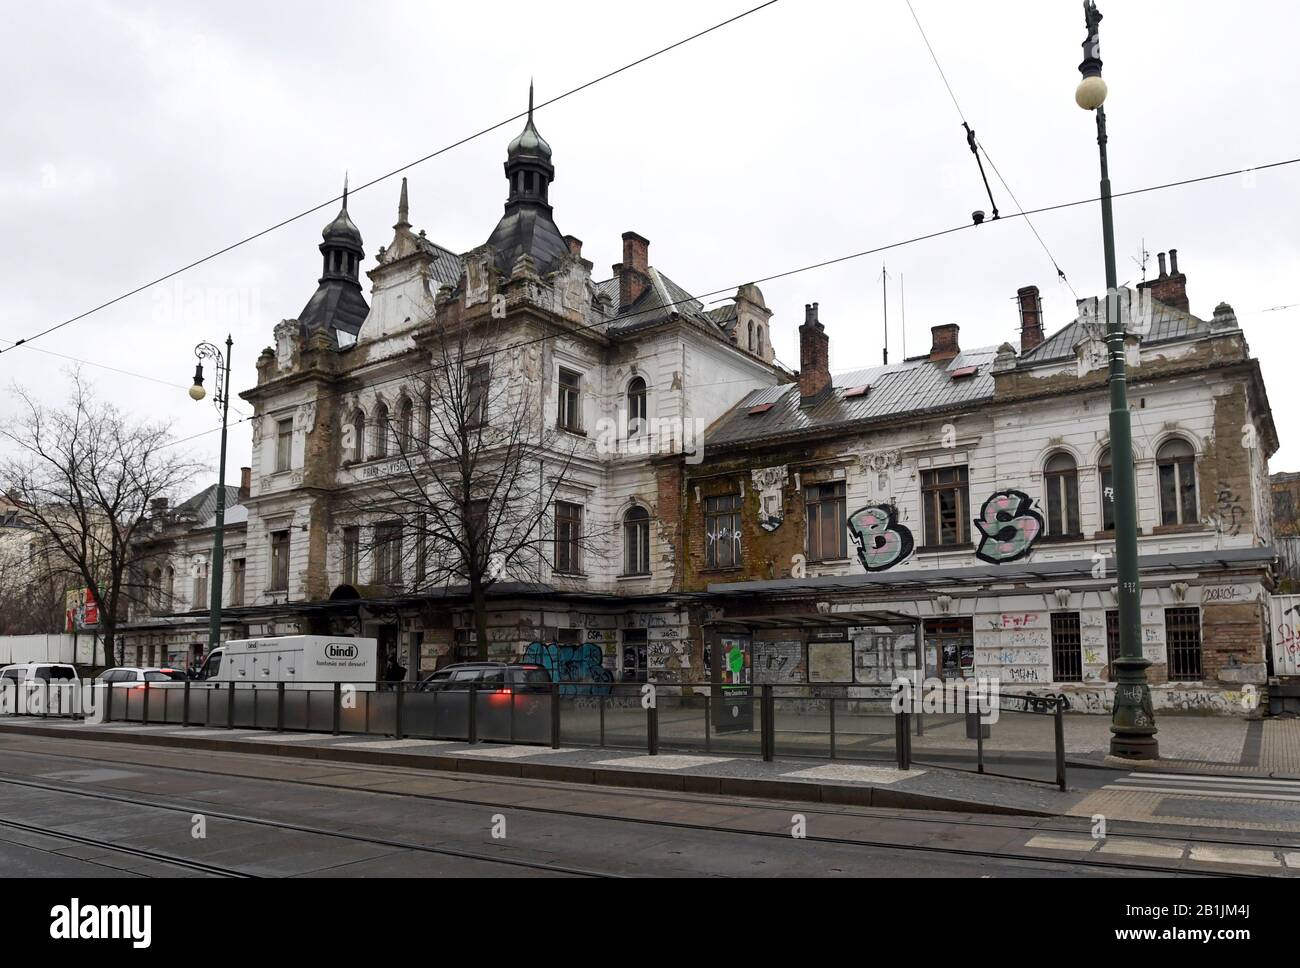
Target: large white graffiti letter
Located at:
point(1008, 526)
point(882, 542)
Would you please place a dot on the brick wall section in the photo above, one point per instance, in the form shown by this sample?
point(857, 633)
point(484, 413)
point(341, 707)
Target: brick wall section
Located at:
point(1225, 467)
point(1231, 630)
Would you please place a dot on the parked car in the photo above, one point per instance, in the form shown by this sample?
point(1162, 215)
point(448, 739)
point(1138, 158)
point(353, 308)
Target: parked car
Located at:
point(135, 677)
point(44, 671)
point(502, 677)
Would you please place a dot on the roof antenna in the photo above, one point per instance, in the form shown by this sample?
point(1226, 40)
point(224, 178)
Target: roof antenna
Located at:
point(1142, 259)
point(884, 296)
point(902, 305)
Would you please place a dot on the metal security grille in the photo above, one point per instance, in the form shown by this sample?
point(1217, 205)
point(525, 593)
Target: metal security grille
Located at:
point(1183, 640)
point(1067, 655)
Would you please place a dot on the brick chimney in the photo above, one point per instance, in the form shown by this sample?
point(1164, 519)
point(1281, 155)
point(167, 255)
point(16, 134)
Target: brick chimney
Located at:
point(634, 271)
point(1170, 287)
point(245, 483)
point(814, 358)
point(1031, 318)
point(943, 342)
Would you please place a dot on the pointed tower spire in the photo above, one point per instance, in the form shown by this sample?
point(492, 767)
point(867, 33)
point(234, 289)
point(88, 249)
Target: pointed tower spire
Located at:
point(403, 210)
point(345, 190)
point(530, 100)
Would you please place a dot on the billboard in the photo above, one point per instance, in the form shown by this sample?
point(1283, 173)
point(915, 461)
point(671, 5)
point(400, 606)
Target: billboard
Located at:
point(81, 610)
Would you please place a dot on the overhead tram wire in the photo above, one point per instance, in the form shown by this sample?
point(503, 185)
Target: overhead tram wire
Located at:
point(396, 171)
point(963, 227)
point(974, 142)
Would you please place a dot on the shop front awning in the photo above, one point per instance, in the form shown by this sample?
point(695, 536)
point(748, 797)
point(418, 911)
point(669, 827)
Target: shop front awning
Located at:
point(1021, 571)
point(814, 620)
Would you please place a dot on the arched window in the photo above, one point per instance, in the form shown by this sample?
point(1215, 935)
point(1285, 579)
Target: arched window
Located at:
point(359, 436)
point(1061, 482)
point(636, 407)
point(1107, 479)
point(406, 425)
point(381, 430)
point(751, 335)
point(170, 586)
point(636, 541)
point(156, 589)
point(1176, 468)
point(758, 340)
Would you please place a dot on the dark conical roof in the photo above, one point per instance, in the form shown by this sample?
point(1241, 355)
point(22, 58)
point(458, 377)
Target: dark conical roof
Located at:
point(338, 303)
point(527, 226)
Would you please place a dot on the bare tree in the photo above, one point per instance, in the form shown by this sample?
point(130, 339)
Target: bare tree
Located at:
point(86, 476)
point(32, 581)
point(467, 499)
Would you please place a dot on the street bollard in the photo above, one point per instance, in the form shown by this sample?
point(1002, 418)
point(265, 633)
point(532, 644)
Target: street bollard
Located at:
point(185, 705)
point(144, 713)
point(708, 731)
point(472, 718)
point(1059, 729)
point(230, 706)
point(397, 710)
point(652, 728)
point(108, 702)
point(767, 735)
point(338, 705)
point(279, 707)
point(832, 727)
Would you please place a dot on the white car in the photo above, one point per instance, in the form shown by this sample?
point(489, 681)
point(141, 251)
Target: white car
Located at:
point(33, 671)
point(134, 677)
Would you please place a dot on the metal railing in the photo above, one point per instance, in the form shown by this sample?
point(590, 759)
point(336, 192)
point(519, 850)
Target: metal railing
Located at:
point(762, 720)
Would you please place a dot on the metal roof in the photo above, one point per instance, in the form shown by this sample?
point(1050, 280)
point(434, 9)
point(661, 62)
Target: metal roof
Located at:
point(900, 389)
point(661, 300)
point(1167, 324)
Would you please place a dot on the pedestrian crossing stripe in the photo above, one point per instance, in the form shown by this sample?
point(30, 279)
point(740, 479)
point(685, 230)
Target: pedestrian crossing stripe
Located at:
point(1215, 787)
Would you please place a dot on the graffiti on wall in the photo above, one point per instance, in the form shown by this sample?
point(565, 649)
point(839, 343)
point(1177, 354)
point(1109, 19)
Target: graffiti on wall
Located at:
point(882, 542)
point(573, 664)
point(769, 482)
point(1228, 514)
point(1008, 526)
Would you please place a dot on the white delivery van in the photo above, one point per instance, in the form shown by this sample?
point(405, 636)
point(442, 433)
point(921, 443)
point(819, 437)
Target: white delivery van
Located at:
point(299, 661)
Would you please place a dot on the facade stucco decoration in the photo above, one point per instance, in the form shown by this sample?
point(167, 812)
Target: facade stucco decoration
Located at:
point(769, 483)
point(882, 542)
point(1008, 526)
point(878, 467)
point(286, 344)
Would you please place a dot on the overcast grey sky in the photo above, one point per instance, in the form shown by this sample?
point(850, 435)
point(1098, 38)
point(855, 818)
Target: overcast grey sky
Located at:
point(140, 136)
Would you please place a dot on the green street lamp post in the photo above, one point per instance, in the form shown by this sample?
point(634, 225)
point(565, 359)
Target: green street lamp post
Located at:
point(1133, 722)
point(207, 351)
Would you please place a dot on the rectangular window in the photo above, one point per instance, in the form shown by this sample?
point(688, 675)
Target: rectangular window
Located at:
point(388, 554)
point(949, 648)
point(279, 561)
point(722, 531)
point(946, 505)
point(570, 401)
point(828, 537)
point(237, 571)
point(351, 555)
point(476, 395)
point(1112, 641)
point(1183, 641)
point(635, 647)
point(478, 541)
point(1067, 652)
point(421, 549)
point(568, 538)
point(283, 445)
point(201, 588)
